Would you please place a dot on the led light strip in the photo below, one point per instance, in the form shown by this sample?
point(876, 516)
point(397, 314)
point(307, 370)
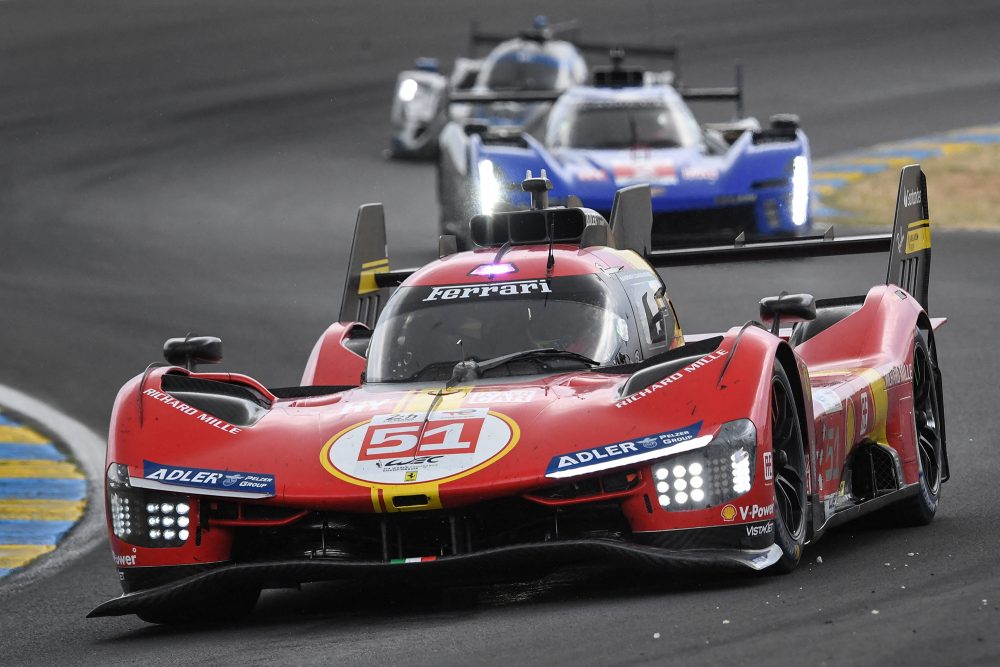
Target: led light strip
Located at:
point(688, 446)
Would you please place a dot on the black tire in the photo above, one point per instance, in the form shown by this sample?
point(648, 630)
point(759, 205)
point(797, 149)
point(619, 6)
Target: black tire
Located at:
point(790, 508)
point(218, 608)
point(927, 419)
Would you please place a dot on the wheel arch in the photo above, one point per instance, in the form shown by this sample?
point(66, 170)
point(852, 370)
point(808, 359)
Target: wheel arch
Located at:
point(925, 328)
point(795, 371)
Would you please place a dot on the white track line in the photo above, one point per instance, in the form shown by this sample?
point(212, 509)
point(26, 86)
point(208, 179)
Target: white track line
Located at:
point(88, 449)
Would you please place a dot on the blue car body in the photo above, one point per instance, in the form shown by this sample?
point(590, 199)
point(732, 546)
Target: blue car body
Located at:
point(703, 187)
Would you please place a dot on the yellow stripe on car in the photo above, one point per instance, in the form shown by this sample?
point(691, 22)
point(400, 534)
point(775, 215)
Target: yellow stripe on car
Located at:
point(918, 236)
point(367, 283)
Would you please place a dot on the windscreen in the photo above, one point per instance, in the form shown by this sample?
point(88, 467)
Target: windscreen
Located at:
point(612, 125)
point(425, 331)
point(520, 71)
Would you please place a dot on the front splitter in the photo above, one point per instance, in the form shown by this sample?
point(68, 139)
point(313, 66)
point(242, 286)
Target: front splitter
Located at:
point(570, 552)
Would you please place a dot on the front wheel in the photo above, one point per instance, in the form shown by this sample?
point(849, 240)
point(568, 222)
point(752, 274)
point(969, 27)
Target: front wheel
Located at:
point(789, 472)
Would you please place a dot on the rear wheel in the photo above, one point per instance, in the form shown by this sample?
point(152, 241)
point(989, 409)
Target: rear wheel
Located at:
point(789, 472)
point(920, 509)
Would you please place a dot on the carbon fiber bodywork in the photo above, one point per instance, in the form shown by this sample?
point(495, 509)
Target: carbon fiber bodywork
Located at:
point(549, 554)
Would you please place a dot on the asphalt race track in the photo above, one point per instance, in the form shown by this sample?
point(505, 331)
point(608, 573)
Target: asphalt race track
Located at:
point(182, 166)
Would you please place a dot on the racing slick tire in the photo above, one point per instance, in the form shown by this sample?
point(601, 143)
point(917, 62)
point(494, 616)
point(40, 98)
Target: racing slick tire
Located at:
point(218, 608)
point(927, 419)
point(789, 473)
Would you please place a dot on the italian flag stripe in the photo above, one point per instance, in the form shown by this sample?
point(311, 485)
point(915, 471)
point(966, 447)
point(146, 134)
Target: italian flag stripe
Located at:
point(421, 559)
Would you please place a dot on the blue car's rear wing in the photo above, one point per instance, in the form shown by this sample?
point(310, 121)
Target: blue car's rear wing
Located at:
point(909, 244)
point(370, 280)
point(569, 31)
point(732, 93)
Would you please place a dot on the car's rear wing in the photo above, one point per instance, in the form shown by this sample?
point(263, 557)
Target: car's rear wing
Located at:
point(569, 31)
point(363, 296)
point(539, 32)
point(370, 281)
point(909, 244)
point(489, 97)
point(732, 93)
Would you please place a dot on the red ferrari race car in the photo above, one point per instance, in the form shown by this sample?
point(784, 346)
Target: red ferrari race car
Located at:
point(531, 403)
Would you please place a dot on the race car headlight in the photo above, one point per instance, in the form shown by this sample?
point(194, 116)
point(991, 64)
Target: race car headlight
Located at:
point(489, 187)
point(408, 89)
point(800, 190)
point(146, 518)
point(714, 474)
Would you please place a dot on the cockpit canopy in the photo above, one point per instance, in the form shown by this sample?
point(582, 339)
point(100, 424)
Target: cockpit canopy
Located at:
point(522, 64)
point(425, 330)
point(614, 121)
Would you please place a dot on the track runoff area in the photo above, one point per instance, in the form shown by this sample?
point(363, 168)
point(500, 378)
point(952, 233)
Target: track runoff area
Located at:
point(43, 493)
point(831, 175)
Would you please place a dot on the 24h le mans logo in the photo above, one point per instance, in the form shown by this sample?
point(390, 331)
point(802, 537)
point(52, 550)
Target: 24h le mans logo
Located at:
point(400, 448)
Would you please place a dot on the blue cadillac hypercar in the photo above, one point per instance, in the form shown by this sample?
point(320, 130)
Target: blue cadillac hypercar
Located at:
point(710, 183)
point(545, 60)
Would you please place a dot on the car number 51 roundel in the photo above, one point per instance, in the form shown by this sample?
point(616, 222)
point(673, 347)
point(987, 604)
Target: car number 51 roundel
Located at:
point(403, 448)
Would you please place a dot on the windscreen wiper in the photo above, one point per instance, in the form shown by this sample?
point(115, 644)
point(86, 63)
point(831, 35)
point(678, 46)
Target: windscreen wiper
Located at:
point(472, 369)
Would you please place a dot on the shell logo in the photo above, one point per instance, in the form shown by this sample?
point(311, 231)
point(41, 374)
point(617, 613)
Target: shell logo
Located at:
point(728, 513)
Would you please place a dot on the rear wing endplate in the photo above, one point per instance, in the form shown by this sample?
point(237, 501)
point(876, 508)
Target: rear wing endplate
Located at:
point(732, 93)
point(370, 281)
point(910, 257)
point(568, 31)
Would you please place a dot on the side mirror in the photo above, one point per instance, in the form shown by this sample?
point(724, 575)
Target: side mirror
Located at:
point(787, 308)
point(193, 350)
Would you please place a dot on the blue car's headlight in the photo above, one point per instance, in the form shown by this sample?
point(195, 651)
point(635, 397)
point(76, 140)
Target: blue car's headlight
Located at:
point(800, 190)
point(489, 187)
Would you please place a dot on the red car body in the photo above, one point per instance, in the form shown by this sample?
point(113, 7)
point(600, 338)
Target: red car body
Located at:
point(343, 477)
